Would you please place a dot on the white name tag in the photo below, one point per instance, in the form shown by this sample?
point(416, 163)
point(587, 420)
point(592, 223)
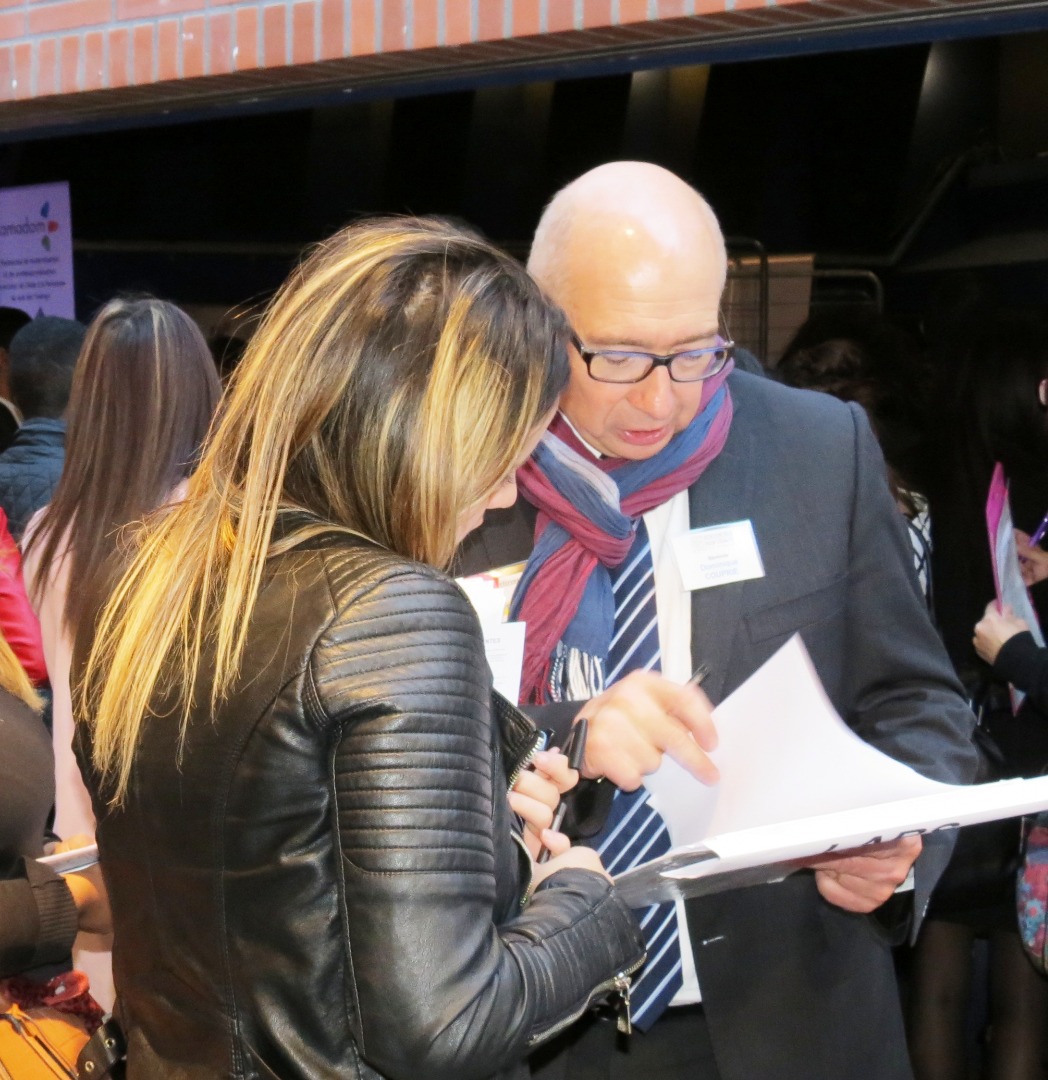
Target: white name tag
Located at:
point(718, 555)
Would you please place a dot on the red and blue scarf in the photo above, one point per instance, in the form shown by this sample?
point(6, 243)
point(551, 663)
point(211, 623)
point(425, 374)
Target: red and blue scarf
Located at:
point(588, 512)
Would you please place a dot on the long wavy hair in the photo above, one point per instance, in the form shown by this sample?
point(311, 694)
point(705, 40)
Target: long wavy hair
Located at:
point(144, 392)
point(391, 386)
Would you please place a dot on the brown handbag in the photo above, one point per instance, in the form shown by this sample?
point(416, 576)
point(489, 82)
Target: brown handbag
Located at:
point(45, 1026)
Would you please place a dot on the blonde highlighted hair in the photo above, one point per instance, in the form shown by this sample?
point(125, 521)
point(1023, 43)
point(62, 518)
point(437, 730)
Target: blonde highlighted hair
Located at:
point(13, 678)
point(392, 384)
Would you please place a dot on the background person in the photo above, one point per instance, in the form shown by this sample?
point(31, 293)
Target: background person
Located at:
point(42, 357)
point(986, 408)
point(143, 394)
point(286, 717)
point(856, 354)
point(11, 321)
point(782, 981)
point(40, 912)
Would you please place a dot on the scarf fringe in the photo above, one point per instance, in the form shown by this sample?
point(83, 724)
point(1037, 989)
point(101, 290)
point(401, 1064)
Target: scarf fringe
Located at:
point(574, 675)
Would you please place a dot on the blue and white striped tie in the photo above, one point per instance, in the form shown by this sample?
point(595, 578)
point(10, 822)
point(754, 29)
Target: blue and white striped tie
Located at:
point(635, 831)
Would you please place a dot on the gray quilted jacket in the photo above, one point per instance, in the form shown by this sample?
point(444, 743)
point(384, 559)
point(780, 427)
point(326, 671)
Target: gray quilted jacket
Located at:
point(29, 470)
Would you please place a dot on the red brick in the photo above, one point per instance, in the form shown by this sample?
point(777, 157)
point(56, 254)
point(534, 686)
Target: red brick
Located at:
point(426, 31)
point(527, 17)
point(23, 64)
point(362, 27)
point(192, 46)
point(12, 25)
point(220, 46)
point(94, 60)
point(6, 74)
point(596, 13)
point(634, 11)
point(489, 21)
point(69, 15)
point(274, 36)
point(560, 15)
point(395, 32)
point(142, 55)
point(167, 50)
point(245, 54)
point(671, 9)
point(457, 18)
point(46, 67)
point(332, 29)
point(119, 59)
point(69, 64)
point(304, 32)
point(153, 9)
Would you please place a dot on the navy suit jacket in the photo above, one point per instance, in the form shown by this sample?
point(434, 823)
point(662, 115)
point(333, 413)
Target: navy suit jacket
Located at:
point(795, 988)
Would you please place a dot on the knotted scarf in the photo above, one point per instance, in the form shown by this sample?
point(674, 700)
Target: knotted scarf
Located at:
point(588, 512)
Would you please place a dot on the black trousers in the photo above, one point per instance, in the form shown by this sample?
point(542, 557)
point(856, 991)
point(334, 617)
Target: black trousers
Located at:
point(676, 1048)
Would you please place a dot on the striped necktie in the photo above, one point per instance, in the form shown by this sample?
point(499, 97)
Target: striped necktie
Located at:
point(635, 831)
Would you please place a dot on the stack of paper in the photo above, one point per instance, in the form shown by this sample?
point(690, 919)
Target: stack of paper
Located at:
point(796, 782)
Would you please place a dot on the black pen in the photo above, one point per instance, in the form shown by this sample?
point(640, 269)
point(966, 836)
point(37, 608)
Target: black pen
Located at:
point(699, 675)
point(576, 751)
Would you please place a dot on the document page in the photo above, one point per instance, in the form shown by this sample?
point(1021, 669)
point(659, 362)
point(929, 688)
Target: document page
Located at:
point(796, 782)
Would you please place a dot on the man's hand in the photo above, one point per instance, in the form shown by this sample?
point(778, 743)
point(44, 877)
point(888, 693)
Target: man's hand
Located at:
point(864, 878)
point(641, 717)
point(1033, 561)
point(994, 629)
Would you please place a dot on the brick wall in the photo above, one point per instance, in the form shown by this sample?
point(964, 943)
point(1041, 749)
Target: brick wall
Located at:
point(64, 58)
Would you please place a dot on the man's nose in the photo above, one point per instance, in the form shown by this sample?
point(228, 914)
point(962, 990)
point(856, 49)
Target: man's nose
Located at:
point(654, 395)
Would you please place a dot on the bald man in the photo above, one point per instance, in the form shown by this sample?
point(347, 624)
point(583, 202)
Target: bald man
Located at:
point(792, 981)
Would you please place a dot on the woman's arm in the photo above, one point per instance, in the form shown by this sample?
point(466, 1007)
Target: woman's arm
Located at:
point(38, 919)
point(438, 989)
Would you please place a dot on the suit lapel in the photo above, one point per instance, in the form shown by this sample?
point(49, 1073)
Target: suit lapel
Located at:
point(723, 493)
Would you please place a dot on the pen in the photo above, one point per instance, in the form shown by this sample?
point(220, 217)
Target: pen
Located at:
point(576, 751)
point(699, 675)
point(1039, 532)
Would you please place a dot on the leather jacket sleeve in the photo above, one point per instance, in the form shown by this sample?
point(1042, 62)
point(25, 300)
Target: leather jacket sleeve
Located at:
point(439, 985)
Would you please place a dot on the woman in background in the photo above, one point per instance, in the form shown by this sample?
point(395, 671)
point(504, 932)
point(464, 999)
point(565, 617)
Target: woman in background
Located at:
point(144, 392)
point(40, 912)
point(988, 408)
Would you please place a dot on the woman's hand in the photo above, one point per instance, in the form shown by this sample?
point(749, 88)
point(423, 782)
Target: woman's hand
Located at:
point(994, 629)
point(87, 888)
point(574, 858)
point(91, 899)
point(1033, 561)
point(536, 795)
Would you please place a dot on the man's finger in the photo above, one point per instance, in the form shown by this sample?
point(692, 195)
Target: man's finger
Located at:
point(686, 752)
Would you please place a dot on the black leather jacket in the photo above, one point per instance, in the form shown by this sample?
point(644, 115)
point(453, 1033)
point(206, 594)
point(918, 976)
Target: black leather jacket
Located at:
point(327, 886)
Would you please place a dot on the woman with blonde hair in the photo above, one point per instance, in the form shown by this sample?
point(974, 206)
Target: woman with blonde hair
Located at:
point(286, 717)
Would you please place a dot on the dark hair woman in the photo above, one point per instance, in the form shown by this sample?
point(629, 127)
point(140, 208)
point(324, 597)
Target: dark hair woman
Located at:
point(144, 392)
point(287, 719)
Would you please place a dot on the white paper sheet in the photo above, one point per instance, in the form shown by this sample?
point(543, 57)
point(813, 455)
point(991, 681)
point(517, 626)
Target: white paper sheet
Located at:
point(783, 754)
point(796, 782)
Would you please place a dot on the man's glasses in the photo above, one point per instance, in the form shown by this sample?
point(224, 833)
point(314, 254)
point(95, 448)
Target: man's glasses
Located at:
point(621, 366)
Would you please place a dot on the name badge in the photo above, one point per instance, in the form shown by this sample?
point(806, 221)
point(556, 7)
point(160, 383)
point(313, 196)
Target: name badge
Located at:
point(718, 555)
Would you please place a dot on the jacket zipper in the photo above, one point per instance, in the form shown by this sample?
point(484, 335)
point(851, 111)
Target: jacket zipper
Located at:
point(527, 759)
point(619, 983)
point(525, 896)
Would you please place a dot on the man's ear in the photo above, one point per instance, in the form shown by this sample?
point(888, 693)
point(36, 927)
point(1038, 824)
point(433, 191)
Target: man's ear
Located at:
point(1042, 393)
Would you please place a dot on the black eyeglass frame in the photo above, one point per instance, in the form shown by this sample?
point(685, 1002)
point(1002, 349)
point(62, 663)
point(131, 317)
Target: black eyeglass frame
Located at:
point(666, 361)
